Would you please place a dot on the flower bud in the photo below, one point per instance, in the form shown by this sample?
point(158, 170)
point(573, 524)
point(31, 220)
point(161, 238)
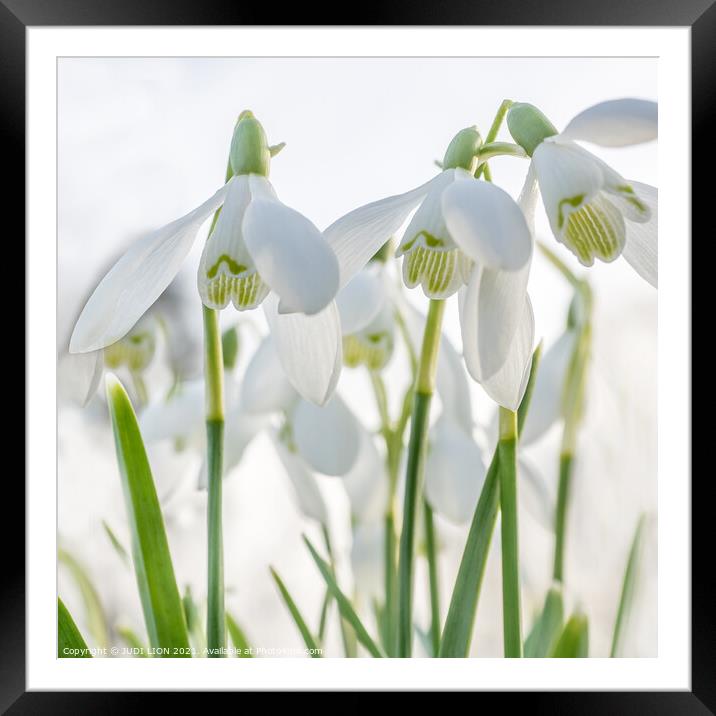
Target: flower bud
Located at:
point(250, 152)
point(462, 150)
point(528, 126)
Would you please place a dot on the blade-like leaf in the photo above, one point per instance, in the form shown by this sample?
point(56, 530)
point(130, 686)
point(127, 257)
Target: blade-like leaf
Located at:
point(628, 588)
point(344, 605)
point(193, 623)
point(161, 603)
point(70, 643)
point(132, 640)
point(457, 632)
point(96, 621)
point(238, 638)
point(547, 627)
point(116, 544)
point(573, 642)
point(313, 649)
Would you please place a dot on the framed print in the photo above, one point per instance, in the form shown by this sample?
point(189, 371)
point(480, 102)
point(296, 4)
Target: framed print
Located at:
point(370, 342)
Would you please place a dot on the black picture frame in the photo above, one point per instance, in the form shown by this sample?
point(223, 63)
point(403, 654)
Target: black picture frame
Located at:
point(17, 15)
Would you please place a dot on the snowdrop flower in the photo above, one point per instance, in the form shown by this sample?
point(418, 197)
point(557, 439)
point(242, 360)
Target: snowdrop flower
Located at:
point(259, 248)
point(592, 210)
point(133, 353)
point(465, 233)
point(367, 319)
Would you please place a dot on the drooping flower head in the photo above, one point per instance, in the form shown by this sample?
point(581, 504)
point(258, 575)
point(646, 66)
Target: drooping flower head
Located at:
point(592, 209)
point(468, 236)
point(258, 248)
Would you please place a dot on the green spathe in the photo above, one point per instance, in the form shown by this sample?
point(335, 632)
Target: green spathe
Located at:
point(528, 126)
point(250, 151)
point(462, 150)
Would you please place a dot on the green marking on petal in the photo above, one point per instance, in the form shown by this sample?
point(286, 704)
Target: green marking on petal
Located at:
point(135, 351)
point(245, 292)
point(595, 231)
point(440, 271)
point(233, 266)
point(573, 201)
point(373, 350)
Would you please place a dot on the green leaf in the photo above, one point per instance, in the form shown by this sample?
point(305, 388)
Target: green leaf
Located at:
point(132, 640)
point(314, 649)
point(344, 605)
point(193, 622)
point(238, 638)
point(114, 540)
point(547, 627)
point(457, 632)
point(573, 642)
point(531, 380)
point(626, 600)
point(161, 603)
point(96, 620)
point(70, 643)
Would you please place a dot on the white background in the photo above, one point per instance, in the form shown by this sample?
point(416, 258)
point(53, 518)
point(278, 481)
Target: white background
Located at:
point(141, 142)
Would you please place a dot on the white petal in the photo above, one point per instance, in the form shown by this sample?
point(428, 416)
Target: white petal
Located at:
point(137, 280)
point(367, 482)
point(487, 224)
point(265, 387)
point(308, 494)
point(310, 349)
point(568, 179)
point(358, 235)
point(328, 437)
point(291, 255)
point(452, 386)
point(528, 197)
point(641, 248)
point(454, 472)
point(507, 386)
point(616, 123)
point(361, 299)
point(546, 402)
point(181, 416)
point(491, 311)
point(82, 373)
point(535, 493)
point(239, 431)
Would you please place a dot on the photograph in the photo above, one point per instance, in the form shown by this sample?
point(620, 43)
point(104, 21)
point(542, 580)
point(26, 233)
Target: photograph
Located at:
point(357, 357)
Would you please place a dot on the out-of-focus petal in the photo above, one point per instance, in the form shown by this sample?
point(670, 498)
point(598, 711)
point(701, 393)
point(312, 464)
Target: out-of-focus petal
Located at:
point(454, 472)
point(367, 483)
point(327, 437)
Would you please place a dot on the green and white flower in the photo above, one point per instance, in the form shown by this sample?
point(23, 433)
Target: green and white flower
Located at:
point(592, 209)
point(367, 319)
point(466, 234)
point(259, 249)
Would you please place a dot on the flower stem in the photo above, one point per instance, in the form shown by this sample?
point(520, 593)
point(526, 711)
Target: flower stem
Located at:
point(484, 168)
point(417, 448)
point(214, 395)
point(565, 478)
point(507, 450)
point(432, 552)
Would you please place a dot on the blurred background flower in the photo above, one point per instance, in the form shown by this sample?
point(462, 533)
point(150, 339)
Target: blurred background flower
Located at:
point(130, 126)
